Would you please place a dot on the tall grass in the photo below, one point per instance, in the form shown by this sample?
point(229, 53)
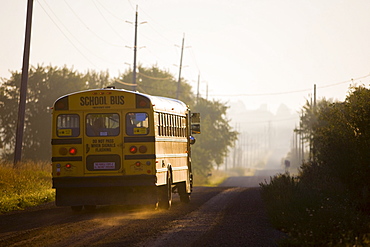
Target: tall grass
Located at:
point(27, 185)
point(315, 212)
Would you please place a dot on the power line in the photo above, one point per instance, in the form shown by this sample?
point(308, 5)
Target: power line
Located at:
point(110, 12)
point(272, 120)
point(78, 50)
point(107, 21)
point(293, 91)
point(88, 28)
point(125, 83)
point(156, 78)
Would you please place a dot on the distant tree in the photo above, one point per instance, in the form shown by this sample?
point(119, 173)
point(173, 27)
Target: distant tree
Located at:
point(94, 79)
point(158, 82)
point(216, 136)
point(45, 85)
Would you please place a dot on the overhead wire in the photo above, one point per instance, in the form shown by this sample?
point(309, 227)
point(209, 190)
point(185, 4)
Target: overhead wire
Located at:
point(70, 41)
point(156, 78)
point(125, 83)
point(131, 84)
point(111, 27)
point(88, 28)
point(163, 37)
point(272, 121)
point(110, 12)
point(293, 91)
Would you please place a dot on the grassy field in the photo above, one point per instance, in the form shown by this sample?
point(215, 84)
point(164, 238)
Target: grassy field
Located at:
point(315, 214)
point(27, 185)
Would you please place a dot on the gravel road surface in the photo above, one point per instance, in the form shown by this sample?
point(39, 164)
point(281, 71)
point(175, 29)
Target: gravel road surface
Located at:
point(230, 215)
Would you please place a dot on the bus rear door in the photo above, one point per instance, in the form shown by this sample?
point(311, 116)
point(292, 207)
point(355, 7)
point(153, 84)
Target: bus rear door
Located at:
point(102, 143)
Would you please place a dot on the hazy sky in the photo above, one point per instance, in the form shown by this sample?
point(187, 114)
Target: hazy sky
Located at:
point(258, 51)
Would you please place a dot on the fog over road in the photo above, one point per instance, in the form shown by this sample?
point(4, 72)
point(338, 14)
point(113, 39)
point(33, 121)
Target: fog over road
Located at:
point(250, 181)
point(229, 215)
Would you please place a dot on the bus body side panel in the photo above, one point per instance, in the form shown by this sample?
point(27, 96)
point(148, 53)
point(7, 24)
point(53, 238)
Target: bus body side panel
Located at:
point(171, 152)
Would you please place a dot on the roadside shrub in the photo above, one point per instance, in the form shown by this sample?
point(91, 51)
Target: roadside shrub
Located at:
point(314, 211)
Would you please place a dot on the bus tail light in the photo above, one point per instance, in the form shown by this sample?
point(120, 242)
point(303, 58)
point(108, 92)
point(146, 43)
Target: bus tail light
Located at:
point(137, 164)
point(63, 151)
point(143, 149)
point(142, 102)
point(72, 151)
point(133, 149)
point(68, 165)
point(61, 104)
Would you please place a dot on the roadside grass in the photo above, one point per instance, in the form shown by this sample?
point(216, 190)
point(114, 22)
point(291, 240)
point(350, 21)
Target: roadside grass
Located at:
point(215, 178)
point(27, 185)
point(315, 213)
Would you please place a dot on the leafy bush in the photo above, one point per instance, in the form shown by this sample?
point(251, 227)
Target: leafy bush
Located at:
point(314, 211)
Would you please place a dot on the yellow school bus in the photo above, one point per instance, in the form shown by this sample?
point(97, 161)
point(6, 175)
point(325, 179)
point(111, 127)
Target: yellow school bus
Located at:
point(113, 146)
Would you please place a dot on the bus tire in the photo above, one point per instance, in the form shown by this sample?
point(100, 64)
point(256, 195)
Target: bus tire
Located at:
point(76, 208)
point(165, 194)
point(90, 207)
point(184, 196)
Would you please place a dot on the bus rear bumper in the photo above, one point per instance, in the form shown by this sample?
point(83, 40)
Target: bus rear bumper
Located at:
point(133, 190)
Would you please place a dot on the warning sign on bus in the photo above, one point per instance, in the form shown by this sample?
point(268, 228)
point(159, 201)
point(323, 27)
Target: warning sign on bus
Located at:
point(104, 165)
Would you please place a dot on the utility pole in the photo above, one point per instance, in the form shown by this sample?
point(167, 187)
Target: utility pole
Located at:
point(135, 52)
point(314, 96)
point(314, 112)
point(179, 81)
point(23, 88)
point(207, 92)
point(298, 144)
point(302, 140)
point(135, 49)
point(198, 88)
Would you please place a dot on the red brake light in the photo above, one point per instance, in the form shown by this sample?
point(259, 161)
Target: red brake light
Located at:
point(63, 151)
point(143, 149)
point(142, 102)
point(133, 149)
point(72, 151)
point(68, 165)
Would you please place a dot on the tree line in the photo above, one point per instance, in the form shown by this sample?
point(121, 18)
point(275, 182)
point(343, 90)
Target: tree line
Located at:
point(47, 83)
point(339, 134)
point(328, 202)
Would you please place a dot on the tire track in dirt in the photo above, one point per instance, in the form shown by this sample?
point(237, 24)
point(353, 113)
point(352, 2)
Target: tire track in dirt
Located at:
point(185, 231)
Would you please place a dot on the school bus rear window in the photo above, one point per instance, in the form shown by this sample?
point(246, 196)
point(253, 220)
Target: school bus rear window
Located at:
point(103, 124)
point(137, 123)
point(68, 125)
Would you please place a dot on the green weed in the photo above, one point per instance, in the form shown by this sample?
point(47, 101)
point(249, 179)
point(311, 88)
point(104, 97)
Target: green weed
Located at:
point(27, 185)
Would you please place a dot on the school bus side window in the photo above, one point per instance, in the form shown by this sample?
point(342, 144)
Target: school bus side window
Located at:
point(102, 124)
point(137, 123)
point(68, 125)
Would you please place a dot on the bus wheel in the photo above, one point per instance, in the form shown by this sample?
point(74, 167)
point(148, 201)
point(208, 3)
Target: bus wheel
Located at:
point(76, 208)
point(184, 196)
point(90, 207)
point(165, 194)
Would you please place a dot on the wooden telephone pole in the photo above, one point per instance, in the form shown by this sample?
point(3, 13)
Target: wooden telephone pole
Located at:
point(23, 88)
point(179, 81)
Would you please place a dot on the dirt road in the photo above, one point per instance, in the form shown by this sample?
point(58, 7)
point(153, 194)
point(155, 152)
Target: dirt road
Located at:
point(221, 216)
